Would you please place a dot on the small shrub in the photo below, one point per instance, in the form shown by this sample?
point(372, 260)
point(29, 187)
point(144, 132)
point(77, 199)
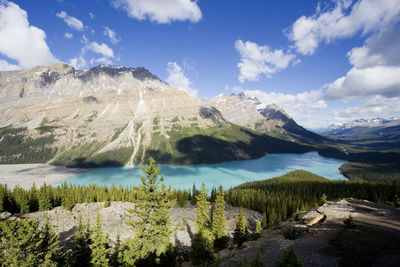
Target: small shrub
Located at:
point(322, 200)
point(349, 222)
point(289, 259)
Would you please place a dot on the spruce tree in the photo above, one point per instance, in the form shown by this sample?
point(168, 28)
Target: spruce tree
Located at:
point(3, 194)
point(116, 258)
point(33, 199)
point(219, 221)
point(20, 244)
point(193, 198)
point(44, 198)
point(264, 220)
point(257, 232)
point(289, 259)
point(80, 254)
point(241, 233)
point(203, 242)
point(99, 246)
point(50, 245)
point(152, 226)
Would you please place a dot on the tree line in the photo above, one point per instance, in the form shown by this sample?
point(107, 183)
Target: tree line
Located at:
point(24, 243)
point(282, 197)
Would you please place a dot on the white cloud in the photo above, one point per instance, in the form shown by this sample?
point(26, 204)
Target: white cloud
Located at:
point(161, 11)
point(112, 35)
point(91, 15)
point(302, 107)
point(372, 107)
point(68, 35)
point(343, 21)
point(102, 49)
point(376, 68)
point(256, 60)
point(21, 41)
point(71, 21)
point(107, 54)
point(4, 66)
point(78, 62)
point(358, 83)
point(176, 78)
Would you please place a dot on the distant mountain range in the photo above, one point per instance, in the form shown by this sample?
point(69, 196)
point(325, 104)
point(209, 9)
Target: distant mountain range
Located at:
point(377, 133)
point(117, 116)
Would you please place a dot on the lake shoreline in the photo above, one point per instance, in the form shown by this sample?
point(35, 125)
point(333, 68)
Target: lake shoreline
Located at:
point(25, 175)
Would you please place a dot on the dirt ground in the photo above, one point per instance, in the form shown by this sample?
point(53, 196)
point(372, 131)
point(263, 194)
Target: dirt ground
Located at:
point(373, 241)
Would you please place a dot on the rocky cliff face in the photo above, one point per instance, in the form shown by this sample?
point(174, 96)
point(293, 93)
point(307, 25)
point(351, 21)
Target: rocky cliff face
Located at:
point(272, 120)
point(111, 116)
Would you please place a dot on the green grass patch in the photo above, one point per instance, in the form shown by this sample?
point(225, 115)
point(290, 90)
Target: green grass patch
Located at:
point(176, 119)
point(92, 117)
point(17, 147)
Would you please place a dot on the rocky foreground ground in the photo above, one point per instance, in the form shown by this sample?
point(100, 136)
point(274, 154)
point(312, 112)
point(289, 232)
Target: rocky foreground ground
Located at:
point(324, 240)
point(318, 236)
point(114, 218)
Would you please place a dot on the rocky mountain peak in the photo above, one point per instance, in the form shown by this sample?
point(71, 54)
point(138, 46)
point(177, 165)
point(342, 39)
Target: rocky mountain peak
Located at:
point(139, 73)
point(248, 98)
point(274, 112)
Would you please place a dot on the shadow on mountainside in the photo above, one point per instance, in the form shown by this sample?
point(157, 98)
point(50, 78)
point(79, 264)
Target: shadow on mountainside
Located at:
point(84, 163)
point(202, 149)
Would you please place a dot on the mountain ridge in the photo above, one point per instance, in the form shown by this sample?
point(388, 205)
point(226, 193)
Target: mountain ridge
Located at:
point(117, 116)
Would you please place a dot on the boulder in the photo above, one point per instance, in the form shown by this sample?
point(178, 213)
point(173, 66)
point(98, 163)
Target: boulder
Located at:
point(312, 217)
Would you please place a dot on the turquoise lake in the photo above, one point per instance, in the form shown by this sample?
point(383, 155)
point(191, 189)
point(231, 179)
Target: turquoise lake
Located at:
point(228, 174)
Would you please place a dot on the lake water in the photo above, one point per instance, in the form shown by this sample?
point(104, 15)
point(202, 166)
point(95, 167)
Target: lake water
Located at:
point(227, 174)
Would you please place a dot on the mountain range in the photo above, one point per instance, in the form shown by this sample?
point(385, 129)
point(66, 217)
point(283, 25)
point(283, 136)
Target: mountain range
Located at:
point(118, 116)
point(377, 133)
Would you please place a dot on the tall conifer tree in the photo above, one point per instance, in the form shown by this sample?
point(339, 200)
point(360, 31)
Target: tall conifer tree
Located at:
point(152, 228)
point(219, 221)
point(99, 246)
point(203, 242)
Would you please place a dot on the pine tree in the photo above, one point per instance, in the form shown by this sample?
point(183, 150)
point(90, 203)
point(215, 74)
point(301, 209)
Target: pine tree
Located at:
point(2, 197)
point(264, 220)
point(241, 233)
point(116, 258)
point(50, 245)
point(44, 198)
point(289, 259)
point(80, 254)
point(322, 200)
point(99, 246)
point(20, 244)
point(152, 228)
point(257, 232)
point(33, 199)
point(203, 242)
point(193, 198)
point(22, 199)
point(219, 221)
point(67, 199)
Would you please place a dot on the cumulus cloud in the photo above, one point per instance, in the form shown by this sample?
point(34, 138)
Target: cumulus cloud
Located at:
point(358, 83)
point(343, 21)
point(20, 41)
point(176, 78)
point(72, 22)
point(376, 68)
point(78, 62)
point(374, 106)
point(106, 54)
point(112, 35)
point(256, 60)
point(91, 15)
point(68, 35)
point(302, 107)
point(160, 11)
point(4, 65)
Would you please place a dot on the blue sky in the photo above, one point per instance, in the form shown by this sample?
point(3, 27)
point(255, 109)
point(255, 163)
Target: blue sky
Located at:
point(323, 61)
